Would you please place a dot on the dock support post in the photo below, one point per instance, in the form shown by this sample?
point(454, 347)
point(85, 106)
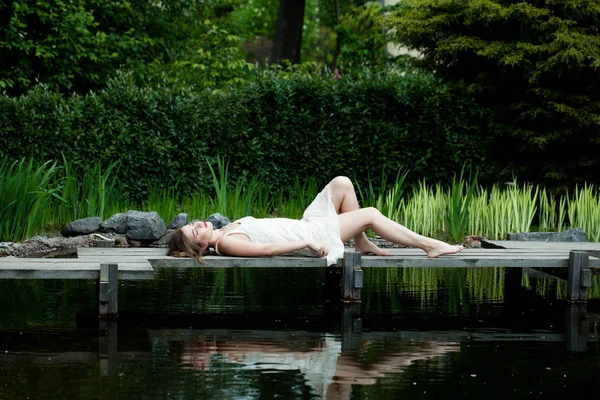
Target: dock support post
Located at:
point(578, 327)
point(352, 278)
point(108, 286)
point(351, 328)
point(579, 276)
point(108, 348)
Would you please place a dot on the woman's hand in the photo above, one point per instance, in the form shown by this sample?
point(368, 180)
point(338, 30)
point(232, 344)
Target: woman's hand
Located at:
point(319, 249)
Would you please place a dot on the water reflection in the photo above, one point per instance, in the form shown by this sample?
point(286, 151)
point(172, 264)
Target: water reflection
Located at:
point(326, 369)
point(247, 335)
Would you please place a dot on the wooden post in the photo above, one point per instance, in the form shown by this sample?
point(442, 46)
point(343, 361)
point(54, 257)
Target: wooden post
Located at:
point(351, 328)
point(108, 287)
point(352, 278)
point(578, 327)
point(105, 243)
point(108, 348)
point(578, 262)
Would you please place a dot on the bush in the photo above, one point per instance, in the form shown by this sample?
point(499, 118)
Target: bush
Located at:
point(280, 128)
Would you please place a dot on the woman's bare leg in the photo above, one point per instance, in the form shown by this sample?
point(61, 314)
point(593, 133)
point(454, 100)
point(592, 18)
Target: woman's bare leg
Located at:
point(354, 222)
point(344, 200)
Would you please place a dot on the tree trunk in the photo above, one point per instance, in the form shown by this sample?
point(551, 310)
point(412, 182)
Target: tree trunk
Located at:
point(338, 38)
point(288, 32)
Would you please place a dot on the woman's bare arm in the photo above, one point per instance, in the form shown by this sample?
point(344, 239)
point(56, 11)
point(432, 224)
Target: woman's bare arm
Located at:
point(232, 246)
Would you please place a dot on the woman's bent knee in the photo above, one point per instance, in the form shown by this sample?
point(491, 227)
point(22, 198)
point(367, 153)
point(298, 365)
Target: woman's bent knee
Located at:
point(342, 181)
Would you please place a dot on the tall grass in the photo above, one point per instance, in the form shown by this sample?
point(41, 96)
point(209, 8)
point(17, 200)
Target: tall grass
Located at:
point(425, 210)
point(584, 211)
point(85, 194)
point(25, 191)
point(34, 197)
point(246, 196)
point(291, 203)
point(458, 205)
point(164, 201)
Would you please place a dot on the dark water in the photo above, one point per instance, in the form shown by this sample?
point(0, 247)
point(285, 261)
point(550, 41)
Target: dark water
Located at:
point(283, 333)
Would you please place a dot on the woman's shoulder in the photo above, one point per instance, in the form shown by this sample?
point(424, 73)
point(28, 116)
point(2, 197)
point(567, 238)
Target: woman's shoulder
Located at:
point(241, 220)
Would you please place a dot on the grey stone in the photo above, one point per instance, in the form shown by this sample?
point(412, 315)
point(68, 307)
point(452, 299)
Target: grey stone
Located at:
point(218, 220)
point(179, 221)
point(165, 240)
point(529, 236)
point(115, 224)
point(571, 235)
point(145, 225)
point(82, 226)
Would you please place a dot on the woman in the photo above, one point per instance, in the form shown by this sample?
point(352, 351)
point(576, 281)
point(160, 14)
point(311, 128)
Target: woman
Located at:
point(334, 217)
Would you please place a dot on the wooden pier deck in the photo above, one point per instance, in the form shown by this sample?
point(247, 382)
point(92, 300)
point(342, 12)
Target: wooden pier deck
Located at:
point(141, 263)
point(108, 264)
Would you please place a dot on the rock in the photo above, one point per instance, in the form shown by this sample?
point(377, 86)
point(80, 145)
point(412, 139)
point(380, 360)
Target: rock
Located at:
point(115, 224)
point(164, 241)
point(38, 247)
point(145, 225)
point(82, 226)
point(218, 220)
point(571, 235)
point(179, 221)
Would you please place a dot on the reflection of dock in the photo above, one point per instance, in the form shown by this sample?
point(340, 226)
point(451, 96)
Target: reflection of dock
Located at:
point(107, 265)
point(109, 352)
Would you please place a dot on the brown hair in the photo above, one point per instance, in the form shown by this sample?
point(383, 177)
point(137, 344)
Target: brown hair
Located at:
point(180, 246)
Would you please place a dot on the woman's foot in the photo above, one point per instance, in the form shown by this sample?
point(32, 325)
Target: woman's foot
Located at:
point(441, 248)
point(368, 247)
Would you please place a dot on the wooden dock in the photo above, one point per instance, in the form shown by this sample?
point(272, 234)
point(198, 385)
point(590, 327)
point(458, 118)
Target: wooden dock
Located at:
point(108, 264)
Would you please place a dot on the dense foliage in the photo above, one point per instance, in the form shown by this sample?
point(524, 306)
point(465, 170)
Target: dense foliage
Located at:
point(279, 128)
point(535, 62)
point(76, 46)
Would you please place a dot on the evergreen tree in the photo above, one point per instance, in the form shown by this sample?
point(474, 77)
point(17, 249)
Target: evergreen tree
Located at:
point(534, 63)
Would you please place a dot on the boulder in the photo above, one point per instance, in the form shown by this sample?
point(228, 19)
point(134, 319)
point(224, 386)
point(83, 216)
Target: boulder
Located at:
point(115, 224)
point(144, 225)
point(218, 220)
point(81, 227)
point(179, 221)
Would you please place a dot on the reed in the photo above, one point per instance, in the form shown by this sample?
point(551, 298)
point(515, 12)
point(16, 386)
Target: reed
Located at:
point(85, 194)
point(197, 206)
point(584, 211)
point(459, 201)
point(25, 191)
point(219, 179)
point(523, 206)
point(164, 201)
point(292, 202)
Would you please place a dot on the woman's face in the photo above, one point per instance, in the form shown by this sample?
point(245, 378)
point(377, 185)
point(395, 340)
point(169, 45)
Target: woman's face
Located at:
point(199, 232)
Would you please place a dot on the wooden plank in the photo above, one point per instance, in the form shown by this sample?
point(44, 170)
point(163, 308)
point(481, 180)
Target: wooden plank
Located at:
point(455, 262)
point(116, 251)
point(77, 274)
point(73, 266)
point(26, 269)
point(241, 262)
point(515, 244)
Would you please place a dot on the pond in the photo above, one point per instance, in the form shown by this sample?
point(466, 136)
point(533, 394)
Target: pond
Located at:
point(262, 333)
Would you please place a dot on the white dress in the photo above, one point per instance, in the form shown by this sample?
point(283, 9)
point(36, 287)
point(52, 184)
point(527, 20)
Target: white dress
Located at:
point(319, 223)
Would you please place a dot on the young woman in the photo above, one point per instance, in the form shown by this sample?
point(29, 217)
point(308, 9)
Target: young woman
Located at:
point(334, 217)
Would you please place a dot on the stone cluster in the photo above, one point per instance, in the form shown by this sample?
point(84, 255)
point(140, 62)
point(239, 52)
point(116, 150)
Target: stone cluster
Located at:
point(137, 227)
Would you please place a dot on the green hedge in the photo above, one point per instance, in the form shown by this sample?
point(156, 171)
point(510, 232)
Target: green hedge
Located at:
point(282, 127)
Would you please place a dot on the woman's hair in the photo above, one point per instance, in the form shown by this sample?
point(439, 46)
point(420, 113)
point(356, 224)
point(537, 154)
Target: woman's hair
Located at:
point(180, 246)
